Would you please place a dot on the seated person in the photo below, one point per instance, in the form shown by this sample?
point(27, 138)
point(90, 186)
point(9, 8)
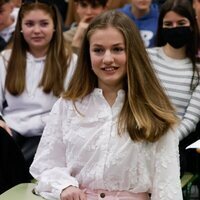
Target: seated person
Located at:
point(86, 11)
point(8, 18)
point(145, 16)
point(72, 16)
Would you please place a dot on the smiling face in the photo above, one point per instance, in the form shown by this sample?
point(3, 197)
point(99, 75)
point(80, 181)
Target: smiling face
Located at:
point(108, 57)
point(37, 29)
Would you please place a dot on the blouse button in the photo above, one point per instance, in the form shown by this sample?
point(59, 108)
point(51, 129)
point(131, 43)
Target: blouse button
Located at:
point(102, 195)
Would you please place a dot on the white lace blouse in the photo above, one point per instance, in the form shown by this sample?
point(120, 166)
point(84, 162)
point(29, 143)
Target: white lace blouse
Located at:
point(84, 150)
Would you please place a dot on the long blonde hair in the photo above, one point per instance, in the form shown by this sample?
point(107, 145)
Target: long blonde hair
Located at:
point(57, 58)
point(147, 112)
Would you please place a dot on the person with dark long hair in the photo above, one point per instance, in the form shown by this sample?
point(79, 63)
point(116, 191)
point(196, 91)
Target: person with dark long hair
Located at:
point(175, 63)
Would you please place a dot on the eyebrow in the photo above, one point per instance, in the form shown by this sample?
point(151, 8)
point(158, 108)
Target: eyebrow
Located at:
point(117, 44)
point(181, 20)
point(43, 20)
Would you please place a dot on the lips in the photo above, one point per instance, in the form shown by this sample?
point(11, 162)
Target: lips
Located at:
point(110, 68)
point(37, 38)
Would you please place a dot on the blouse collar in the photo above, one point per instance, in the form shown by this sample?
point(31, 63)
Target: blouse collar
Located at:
point(30, 57)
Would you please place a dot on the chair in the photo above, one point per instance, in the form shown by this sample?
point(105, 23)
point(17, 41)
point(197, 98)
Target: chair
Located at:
point(23, 191)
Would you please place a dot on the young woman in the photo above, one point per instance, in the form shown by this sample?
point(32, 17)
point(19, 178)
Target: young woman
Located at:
point(175, 63)
point(111, 134)
point(32, 76)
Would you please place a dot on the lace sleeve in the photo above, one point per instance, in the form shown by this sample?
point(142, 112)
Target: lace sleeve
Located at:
point(49, 166)
point(166, 180)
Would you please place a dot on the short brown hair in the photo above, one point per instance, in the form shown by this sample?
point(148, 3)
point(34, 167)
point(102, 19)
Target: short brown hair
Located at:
point(2, 2)
point(93, 2)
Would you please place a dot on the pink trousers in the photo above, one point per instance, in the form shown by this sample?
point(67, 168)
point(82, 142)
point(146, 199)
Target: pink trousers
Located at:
point(117, 195)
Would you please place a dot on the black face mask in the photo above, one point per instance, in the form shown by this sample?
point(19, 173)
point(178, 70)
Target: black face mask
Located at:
point(177, 37)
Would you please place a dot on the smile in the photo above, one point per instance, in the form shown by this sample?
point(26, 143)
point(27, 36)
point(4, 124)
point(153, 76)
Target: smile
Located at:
point(110, 68)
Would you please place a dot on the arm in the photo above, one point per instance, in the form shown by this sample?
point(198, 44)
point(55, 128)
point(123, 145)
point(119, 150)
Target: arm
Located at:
point(78, 37)
point(166, 177)
point(2, 83)
point(49, 165)
point(191, 116)
point(4, 126)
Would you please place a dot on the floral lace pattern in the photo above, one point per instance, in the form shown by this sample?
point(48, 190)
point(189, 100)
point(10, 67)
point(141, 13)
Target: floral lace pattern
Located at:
point(85, 150)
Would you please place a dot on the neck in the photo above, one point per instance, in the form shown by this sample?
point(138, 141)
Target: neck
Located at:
point(38, 53)
point(110, 94)
point(174, 53)
point(139, 13)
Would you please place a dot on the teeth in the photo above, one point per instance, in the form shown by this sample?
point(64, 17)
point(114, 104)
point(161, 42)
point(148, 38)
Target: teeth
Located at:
point(109, 69)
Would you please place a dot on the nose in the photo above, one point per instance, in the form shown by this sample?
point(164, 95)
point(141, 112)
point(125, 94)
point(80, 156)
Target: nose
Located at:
point(36, 28)
point(174, 25)
point(89, 10)
point(108, 58)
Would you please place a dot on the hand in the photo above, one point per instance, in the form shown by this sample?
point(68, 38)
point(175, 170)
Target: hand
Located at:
point(72, 193)
point(87, 19)
point(4, 126)
point(82, 26)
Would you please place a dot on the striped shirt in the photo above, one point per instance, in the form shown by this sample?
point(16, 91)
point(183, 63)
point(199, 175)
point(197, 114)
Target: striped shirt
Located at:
point(175, 76)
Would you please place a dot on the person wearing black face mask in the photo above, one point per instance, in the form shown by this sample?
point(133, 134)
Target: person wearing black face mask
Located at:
point(177, 37)
point(175, 64)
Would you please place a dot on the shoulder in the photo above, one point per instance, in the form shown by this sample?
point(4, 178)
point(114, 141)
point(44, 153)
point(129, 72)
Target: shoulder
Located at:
point(4, 57)
point(66, 108)
point(61, 106)
point(69, 34)
point(5, 54)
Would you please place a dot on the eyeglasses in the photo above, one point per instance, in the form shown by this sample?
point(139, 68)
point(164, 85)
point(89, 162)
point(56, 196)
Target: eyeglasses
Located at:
point(49, 2)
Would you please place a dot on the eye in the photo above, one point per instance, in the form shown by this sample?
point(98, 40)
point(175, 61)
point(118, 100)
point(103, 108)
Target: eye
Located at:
point(182, 23)
point(29, 24)
point(118, 49)
point(98, 50)
point(167, 24)
point(44, 24)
